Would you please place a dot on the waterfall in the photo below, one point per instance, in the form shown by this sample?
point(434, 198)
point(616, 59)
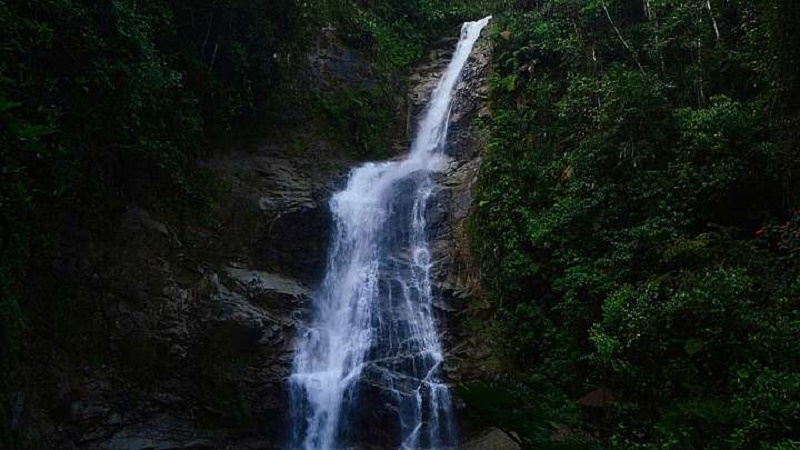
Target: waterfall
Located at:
point(371, 342)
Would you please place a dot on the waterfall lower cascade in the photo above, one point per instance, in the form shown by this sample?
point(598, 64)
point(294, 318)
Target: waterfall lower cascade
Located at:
point(370, 356)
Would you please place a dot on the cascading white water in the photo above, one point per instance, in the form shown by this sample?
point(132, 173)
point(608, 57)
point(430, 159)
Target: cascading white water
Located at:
point(372, 326)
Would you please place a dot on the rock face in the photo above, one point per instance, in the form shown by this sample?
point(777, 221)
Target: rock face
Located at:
point(279, 207)
point(491, 439)
point(334, 65)
point(454, 272)
point(187, 340)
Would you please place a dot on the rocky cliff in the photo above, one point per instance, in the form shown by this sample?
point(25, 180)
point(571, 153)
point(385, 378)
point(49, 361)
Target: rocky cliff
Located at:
point(165, 335)
point(182, 336)
point(456, 274)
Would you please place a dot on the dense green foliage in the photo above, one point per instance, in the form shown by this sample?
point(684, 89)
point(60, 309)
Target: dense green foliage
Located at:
point(637, 227)
point(105, 102)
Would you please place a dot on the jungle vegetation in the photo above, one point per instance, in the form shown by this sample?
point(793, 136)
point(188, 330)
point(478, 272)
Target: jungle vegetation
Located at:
point(638, 227)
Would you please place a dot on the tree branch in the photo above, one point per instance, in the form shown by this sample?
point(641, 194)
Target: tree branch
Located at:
point(619, 35)
point(713, 20)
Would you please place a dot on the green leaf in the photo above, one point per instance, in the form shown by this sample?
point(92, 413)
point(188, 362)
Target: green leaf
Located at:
point(694, 346)
point(5, 105)
point(34, 131)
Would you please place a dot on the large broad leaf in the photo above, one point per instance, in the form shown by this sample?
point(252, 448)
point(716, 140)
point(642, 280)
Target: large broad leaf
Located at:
point(34, 131)
point(5, 105)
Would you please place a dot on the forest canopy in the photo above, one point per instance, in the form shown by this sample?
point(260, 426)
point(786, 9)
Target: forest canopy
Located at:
point(638, 222)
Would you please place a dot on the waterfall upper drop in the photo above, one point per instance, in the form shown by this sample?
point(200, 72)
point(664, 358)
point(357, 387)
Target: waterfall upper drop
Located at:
point(372, 342)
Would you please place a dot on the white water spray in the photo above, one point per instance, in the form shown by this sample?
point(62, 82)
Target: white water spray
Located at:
point(372, 322)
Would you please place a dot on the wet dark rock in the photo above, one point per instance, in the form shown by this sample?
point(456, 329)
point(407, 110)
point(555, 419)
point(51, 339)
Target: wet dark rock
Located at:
point(295, 241)
point(186, 343)
point(491, 439)
point(334, 65)
point(138, 219)
point(17, 404)
point(454, 272)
